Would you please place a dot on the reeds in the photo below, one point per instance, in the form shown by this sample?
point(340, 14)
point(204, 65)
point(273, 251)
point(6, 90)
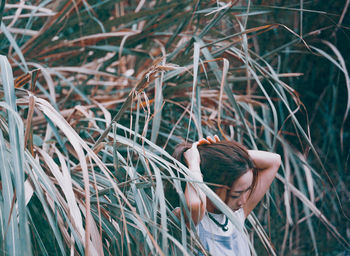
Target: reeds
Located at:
point(101, 92)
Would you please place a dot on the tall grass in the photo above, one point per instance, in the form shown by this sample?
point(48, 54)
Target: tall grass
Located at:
point(95, 95)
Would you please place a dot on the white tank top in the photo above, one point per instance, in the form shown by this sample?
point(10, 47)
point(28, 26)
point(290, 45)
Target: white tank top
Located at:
point(218, 242)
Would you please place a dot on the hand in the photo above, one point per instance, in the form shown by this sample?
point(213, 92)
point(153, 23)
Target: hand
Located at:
point(192, 157)
point(208, 140)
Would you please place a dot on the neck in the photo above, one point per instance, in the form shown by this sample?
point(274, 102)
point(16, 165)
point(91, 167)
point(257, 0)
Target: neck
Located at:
point(211, 207)
point(221, 192)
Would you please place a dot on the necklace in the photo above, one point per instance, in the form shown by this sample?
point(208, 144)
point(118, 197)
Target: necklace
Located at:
point(222, 226)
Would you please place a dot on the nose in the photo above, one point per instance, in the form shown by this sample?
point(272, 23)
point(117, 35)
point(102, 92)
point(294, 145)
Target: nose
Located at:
point(243, 199)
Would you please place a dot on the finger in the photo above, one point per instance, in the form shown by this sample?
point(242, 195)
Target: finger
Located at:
point(217, 139)
point(203, 142)
point(211, 140)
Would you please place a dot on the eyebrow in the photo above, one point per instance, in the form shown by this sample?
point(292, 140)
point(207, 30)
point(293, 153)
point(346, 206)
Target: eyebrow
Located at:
point(241, 191)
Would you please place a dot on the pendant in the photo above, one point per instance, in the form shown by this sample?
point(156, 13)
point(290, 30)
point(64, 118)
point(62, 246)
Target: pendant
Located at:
point(222, 226)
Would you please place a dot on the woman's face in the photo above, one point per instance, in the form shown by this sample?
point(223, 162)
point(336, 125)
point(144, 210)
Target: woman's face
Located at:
point(239, 193)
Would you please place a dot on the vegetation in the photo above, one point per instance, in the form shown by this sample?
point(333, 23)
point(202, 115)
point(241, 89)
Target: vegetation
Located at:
point(95, 95)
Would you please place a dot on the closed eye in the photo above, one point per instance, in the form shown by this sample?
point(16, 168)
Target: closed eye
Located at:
point(240, 193)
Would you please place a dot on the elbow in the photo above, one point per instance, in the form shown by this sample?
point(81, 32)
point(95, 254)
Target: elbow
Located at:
point(277, 162)
point(197, 210)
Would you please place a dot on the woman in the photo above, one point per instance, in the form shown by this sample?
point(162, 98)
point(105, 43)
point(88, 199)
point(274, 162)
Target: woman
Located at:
point(241, 178)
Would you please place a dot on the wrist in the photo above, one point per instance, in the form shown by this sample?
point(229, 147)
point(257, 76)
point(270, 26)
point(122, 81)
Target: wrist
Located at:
point(196, 174)
point(194, 167)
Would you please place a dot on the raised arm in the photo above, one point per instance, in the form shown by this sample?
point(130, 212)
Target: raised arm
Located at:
point(195, 198)
point(267, 163)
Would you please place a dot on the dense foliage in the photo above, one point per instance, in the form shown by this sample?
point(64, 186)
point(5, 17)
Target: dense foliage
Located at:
point(95, 95)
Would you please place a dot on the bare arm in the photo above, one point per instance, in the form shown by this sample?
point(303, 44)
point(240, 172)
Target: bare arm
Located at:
point(195, 198)
point(268, 164)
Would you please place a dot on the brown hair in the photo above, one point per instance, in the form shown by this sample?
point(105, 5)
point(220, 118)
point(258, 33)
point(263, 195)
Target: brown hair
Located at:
point(221, 162)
